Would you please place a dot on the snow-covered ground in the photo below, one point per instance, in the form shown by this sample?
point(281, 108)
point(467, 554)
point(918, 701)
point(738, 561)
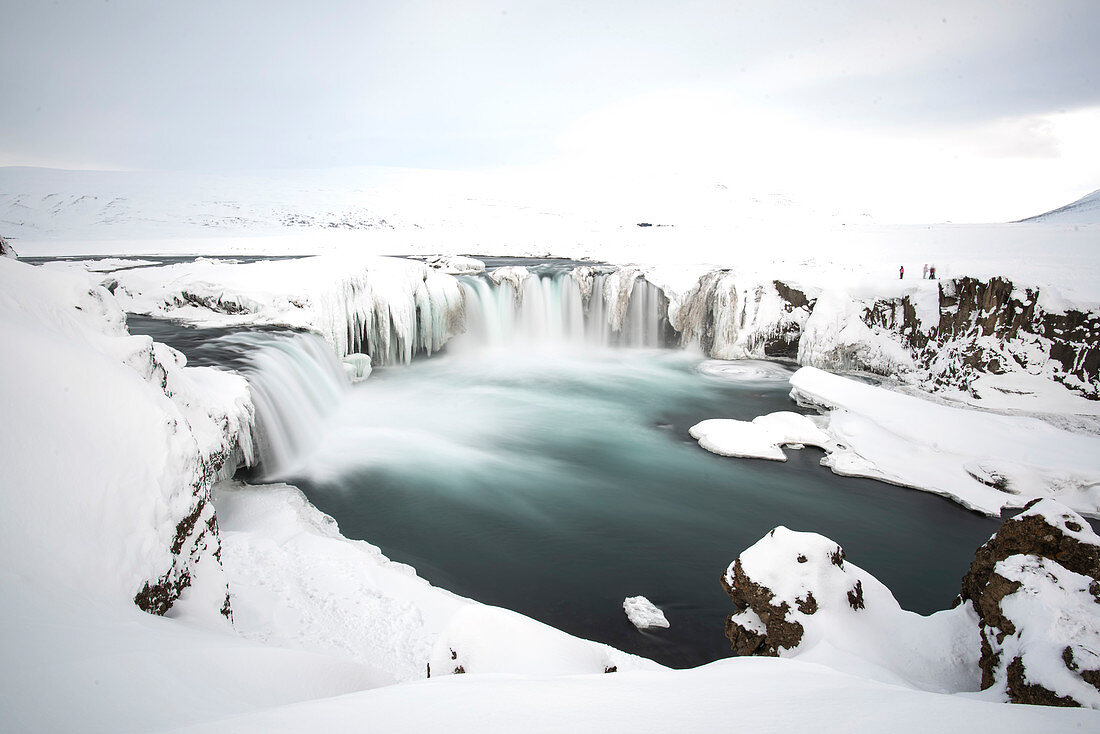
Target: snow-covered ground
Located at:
point(110, 445)
point(984, 460)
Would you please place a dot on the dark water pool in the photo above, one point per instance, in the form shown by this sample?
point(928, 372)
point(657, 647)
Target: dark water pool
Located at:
point(558, 484)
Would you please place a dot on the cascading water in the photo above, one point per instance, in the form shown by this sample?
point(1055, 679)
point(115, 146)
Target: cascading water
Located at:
point(578, 307)
point(296, 382)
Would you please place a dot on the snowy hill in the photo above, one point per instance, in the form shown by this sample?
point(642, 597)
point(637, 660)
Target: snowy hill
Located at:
point(51, 204)
point(1085, 210)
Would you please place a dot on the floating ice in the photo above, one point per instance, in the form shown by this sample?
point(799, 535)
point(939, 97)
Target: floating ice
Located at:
point(760, 438)
point(643, 614)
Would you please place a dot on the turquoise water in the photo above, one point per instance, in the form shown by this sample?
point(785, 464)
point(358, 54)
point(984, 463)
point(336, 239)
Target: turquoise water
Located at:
point(558, 483)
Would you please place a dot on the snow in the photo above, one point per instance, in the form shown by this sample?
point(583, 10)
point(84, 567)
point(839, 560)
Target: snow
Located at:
point(108, 457)
point(760, 438)
point(1085, 210)
point(907, 440)
point(481, 639)
point(758, 694)
point(643, 614)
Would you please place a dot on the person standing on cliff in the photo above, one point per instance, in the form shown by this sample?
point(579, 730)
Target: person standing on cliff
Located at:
point(924, 272)
point(901, 272)
point(932, 272)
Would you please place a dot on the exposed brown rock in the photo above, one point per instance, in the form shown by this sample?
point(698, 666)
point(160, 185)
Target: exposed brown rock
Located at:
point(780, 632)
point(1029, 534)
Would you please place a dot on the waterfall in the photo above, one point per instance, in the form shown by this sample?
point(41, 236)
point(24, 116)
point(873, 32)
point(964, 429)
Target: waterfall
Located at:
point(295, 381)
point(579, 307)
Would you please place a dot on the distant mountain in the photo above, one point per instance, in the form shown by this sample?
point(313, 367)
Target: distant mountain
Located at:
point(1085, 210)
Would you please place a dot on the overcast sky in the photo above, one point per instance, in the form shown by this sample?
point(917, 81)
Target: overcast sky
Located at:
point(851, 96)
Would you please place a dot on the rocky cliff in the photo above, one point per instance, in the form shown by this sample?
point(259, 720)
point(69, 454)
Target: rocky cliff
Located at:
point(946, 339)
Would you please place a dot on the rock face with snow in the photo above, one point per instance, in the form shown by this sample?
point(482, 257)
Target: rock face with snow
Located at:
point(126, 509)
point(942, 338)
point(456, 264)
point(778, 583)
point(1036, 587)
point(730, 319)
point(6, 250)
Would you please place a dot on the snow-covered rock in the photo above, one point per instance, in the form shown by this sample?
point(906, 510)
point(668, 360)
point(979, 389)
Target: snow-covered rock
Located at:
point(514, 275)
point(731, 317)
point(760, 438)
point(6, 250)
point(1041, 633)
point(456, 264)
point(796, 595)
point(643, 613)
point(1036, 587)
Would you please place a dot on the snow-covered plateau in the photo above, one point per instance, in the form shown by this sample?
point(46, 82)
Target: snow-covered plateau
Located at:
point(115, 499)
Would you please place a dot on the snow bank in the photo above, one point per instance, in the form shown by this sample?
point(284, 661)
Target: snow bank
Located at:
point(392, 308)
point(296, 582)
point(984, 461)
point(484, 639)
point(755, 694)
point(760, 438)
point(110, 444)
point(643, 614)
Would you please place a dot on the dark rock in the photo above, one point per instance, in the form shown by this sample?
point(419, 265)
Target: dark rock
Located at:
point(6, 250)
point(1047, 560)
point(780, 631)
point(1033, 533)
point(855, 596)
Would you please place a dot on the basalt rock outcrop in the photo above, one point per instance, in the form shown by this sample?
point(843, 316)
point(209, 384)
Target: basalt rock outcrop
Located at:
point(1036, 588)
point(781, 581)
point(1026, 626)
point(944, 338)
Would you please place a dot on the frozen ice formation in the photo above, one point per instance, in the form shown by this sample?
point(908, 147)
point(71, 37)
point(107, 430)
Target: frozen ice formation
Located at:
point(643, 614)
point(387, 307)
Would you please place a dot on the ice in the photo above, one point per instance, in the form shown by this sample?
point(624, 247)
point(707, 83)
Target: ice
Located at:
point(643, 614)
point(761, 438)
point(357, 366)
